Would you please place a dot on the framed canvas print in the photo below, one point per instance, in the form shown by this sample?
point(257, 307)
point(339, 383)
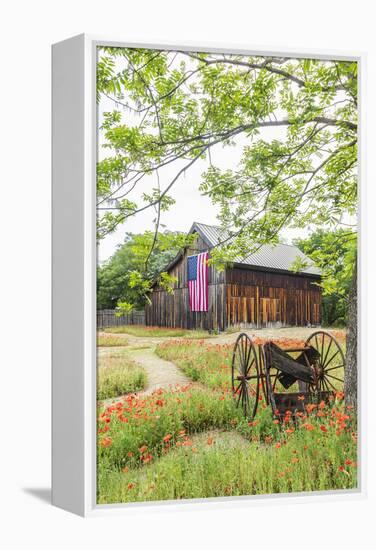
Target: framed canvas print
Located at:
point(206, 274)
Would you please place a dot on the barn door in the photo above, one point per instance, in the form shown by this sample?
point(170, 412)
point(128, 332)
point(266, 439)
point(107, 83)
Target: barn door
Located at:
point(270, 310)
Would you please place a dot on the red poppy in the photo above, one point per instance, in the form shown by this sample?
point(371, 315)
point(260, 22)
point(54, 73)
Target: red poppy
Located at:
point(106, 441)
point(323, 428)
point(143, 449)
point(167, 438)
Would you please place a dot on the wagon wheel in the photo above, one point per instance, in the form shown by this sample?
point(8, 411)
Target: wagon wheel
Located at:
point(329, 366)
point(245, 375)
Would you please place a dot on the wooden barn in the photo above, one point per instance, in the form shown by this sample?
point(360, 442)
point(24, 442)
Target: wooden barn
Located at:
point(257, 291)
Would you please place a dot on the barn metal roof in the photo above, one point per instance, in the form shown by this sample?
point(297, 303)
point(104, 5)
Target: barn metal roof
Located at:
point(277, 257)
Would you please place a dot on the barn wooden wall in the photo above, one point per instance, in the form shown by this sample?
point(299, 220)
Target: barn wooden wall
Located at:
point(258, 298)
point(238, 297)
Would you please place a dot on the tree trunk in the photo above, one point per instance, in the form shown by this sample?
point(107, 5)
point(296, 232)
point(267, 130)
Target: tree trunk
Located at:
point(351, 371)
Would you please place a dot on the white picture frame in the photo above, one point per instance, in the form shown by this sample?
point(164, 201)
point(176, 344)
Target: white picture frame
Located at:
point(74, 145)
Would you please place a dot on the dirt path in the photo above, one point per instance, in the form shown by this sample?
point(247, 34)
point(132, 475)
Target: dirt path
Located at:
point(160, 373)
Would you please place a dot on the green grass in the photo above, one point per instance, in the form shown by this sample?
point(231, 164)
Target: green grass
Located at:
point(158, 332)
point(156, 455)
point(118, 375)
point(201, 361)
point(111, 340)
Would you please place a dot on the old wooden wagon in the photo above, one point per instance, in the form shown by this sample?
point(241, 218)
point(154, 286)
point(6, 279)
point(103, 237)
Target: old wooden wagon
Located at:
point(259, 290)
point(289, 378)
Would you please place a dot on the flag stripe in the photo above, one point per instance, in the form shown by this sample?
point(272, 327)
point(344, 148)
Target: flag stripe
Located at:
point(198, 289)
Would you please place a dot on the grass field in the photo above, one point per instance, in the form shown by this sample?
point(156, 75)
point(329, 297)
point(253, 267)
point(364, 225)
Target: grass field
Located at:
point(193, 442)
point(118, 375)
point(158, 332)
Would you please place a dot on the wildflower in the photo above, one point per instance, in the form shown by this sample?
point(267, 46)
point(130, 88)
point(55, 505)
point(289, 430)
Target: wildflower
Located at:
point(290, 430)
point(125, 470)
point(276, 421)
point(104, 429)
point(322, 405)
point(278, 445)
point(308, 426)
point(130, 454)
point(295, 460)
point(131, 485)
point(106, 442)
point(301, 397)
point(143, 449)
point(167, 438)
point(254, 423)
point(323, 428)
point(210, 441)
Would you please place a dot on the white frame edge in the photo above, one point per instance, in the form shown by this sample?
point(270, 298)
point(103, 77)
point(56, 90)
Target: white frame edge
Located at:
point(74, 153)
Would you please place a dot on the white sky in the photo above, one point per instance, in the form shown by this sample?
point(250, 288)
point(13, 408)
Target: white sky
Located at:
point(190, 205)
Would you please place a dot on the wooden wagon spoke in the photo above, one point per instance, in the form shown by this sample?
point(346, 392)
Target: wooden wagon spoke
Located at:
point(248, 354)
point(327, 352)
point(250, 366)
point(332, 357)
point(334, 377)
point(322, 346)
point(334, 368)
point(317, 345)
point(240, 395)
point(329, 382)
point(325, 385)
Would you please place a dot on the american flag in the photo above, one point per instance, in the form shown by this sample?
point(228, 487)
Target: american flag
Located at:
point(198, 282)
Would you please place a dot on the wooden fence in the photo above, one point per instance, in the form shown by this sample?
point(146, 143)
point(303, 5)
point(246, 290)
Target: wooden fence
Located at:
point(107, 318)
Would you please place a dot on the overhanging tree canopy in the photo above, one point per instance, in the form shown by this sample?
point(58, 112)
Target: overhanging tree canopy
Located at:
point(174, 108)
